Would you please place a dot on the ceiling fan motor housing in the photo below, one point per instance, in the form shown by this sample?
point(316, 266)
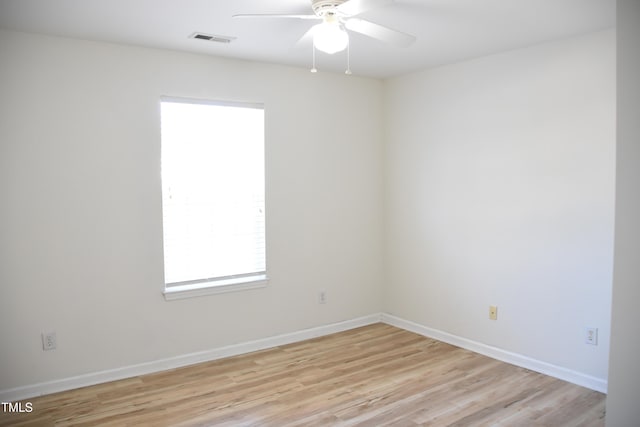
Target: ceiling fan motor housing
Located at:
point(323, 7)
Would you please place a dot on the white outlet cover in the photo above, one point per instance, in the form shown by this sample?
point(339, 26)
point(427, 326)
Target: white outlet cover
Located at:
point(49, 341)
point(591, 336)
point(322, 297)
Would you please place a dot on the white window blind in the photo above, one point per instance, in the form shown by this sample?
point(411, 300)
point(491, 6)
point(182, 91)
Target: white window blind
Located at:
point(212, 192)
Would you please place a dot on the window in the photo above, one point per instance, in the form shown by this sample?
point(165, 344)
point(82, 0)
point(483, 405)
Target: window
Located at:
point(212, 161)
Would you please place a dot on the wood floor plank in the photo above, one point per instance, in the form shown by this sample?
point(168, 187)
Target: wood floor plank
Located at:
point(377, 375)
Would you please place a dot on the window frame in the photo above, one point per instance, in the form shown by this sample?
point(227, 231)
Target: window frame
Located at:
point(222, 284)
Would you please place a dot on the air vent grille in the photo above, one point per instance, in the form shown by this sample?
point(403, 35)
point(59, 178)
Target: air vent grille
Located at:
point(212, 38)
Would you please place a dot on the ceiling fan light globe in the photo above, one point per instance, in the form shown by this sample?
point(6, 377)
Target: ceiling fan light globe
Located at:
point(330, 38)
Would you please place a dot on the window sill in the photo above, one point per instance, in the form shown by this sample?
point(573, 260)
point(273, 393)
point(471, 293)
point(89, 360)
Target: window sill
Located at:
point(215, 287)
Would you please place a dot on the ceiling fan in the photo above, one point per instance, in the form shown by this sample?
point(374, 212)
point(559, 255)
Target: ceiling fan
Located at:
point(338, 16)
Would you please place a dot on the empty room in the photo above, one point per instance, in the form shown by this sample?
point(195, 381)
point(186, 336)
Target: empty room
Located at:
point(314, 212)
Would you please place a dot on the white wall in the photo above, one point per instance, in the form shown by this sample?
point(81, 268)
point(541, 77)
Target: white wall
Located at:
point(80, 219)
point(500, 191)
point(624, 370)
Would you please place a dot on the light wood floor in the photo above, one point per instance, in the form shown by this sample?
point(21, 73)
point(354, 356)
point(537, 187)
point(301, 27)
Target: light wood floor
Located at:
point(377, 375)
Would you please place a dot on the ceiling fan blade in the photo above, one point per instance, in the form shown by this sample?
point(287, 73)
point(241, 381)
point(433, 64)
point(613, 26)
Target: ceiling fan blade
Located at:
point(379, 32)
point(275, 15)
point(356, 7)
point(307, 37)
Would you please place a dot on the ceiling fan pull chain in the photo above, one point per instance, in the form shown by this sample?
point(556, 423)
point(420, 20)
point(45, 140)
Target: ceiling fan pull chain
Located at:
point(314, 69)
point(348, 72)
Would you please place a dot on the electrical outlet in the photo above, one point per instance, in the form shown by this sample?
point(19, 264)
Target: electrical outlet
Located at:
point(493, 312)
point(591, 336)
point(49, 341)
point(322, 297)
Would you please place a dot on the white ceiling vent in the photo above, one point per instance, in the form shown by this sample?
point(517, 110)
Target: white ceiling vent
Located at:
point(212, 38)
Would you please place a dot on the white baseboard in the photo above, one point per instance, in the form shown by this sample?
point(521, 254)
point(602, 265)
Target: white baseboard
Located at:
point(25, 392)
point(584, 380)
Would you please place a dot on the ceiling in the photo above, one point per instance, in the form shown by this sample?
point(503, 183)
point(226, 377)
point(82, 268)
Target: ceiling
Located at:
point(447, 31)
